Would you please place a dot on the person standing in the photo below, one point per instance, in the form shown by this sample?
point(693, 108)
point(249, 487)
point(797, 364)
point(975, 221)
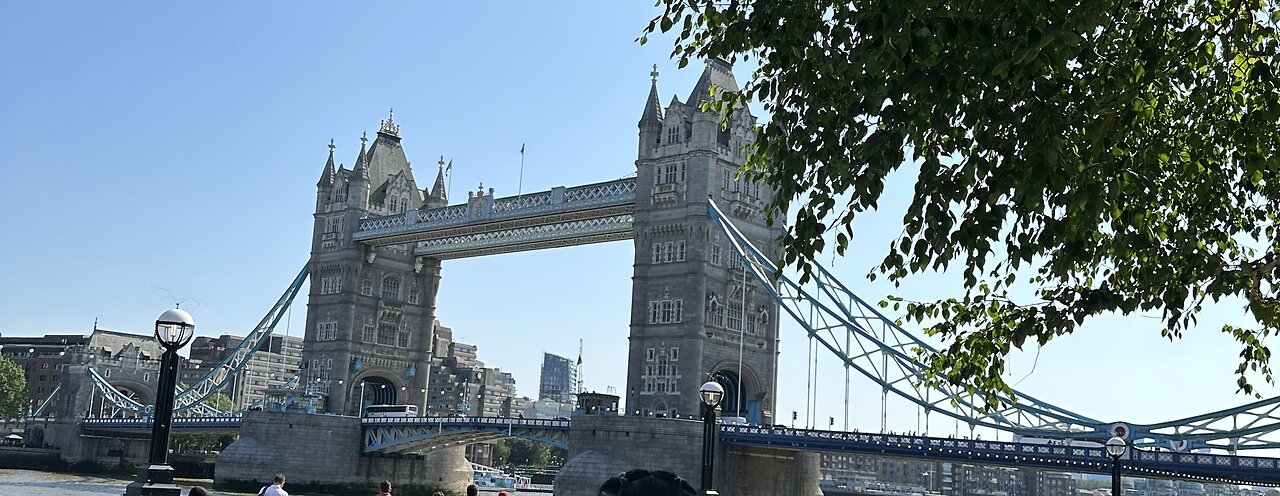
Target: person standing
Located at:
point(384, 489)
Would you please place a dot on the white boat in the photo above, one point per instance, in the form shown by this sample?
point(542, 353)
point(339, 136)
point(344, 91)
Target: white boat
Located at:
point(492, 480)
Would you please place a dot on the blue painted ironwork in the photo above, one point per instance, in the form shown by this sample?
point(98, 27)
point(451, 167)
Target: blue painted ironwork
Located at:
point(190, 401)
point(427, 434)
point(874, 345)
point(1089, 458)
point(44, 405)
point(485, 225)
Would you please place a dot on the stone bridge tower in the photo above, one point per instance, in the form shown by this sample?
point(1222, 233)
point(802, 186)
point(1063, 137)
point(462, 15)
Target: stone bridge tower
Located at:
point(370, 311)
point(692, 317)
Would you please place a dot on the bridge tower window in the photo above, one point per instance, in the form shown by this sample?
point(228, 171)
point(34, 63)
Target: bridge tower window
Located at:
point(413, 295)
point(367, 334)
point(366, 287)
point(715, 254)
point(666, 311)
point(391, 288)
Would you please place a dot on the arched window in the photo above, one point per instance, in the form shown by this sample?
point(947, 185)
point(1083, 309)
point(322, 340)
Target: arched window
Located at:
point(391, 288)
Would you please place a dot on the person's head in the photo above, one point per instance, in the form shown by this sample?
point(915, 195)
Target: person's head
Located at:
point(503, 493)
point(199, 491)
point(278, 480)
point(438, 493)
point(641, 482)
point(473, 490)
point(385, 486)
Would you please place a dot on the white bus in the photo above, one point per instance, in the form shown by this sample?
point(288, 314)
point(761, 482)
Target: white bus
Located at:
point(391, 411)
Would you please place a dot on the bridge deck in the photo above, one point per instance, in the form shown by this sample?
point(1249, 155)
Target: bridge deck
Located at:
point(484, 225)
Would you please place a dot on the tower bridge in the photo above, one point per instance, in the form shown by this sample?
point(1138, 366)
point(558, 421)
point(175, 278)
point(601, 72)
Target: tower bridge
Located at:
point(706, 302)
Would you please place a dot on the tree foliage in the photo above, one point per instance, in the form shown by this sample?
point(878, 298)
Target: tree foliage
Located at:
point(524, 453)
point(13, 389)
point(1076, 158)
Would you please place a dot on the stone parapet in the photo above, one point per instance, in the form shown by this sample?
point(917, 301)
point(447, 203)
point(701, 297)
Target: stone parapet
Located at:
point(324, 450)
point(602, 446)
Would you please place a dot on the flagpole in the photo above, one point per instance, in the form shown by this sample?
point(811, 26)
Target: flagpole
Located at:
point(520, 185)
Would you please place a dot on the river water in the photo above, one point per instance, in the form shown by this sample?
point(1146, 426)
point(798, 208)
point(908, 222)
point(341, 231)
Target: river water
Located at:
point(33, 483)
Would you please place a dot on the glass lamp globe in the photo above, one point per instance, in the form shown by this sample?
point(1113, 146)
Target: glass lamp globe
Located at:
point(174, 328)
point(711, 393)
point(1116, 447)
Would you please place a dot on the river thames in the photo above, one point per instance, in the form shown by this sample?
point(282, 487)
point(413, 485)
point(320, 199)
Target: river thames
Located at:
point(30, 482)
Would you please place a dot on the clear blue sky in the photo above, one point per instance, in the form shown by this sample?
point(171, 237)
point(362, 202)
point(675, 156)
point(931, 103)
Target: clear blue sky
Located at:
point(177, 146)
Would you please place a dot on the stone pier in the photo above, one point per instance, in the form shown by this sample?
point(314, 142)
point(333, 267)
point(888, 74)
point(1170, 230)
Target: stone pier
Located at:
point(324, 450)
point(602, 446)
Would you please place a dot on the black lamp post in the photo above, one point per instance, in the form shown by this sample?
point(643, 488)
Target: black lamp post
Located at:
point(1115, 448)
point(174, 330)
point(711, 393)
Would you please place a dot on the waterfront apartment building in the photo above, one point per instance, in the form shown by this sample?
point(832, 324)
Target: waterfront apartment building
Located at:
point(277, 362)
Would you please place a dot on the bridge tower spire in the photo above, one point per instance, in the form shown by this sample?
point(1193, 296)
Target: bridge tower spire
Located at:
point(371, 310)
point(693, 318)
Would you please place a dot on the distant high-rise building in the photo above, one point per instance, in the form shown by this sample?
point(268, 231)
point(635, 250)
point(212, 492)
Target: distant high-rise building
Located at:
point(559, 380)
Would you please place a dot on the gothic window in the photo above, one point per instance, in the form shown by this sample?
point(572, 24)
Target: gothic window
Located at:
point(44, 366)
point(331, 284)
point(673, 134)
point(403, 339)
point(648, 354)
point(680, 251)
point(391, 288)
point(715, 254)
point(333, 224)
point(681, 171)
point(327, 331)
point(648, 385)
point(648, 370)
point(735, 314)
point(387, 334)
point(728, 179)
point(669, 252)
point(666, 311)
point(657, 253)
point(751, 323)
point(366, 287)
point(674, 354)
point(367, 335)
point(671, 173)
point(413, 294)
point(328, 364)
point(662, 386)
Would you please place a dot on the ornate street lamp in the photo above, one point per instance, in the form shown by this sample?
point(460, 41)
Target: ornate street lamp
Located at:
point(174, 330)
point(1116, 448)
point(711, 393)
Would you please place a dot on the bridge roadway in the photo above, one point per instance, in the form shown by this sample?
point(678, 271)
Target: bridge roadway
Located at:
point(419, 434)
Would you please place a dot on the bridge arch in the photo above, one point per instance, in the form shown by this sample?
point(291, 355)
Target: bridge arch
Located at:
point(376, 389)
point(726, 374)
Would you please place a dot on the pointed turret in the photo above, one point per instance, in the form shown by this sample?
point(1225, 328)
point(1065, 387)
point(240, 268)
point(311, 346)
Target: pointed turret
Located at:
point(361, 168)
point(651, 120)
point(358, 189)
point(438, 198)
point(718, 74)
point(652, 115)
point(326, 177)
